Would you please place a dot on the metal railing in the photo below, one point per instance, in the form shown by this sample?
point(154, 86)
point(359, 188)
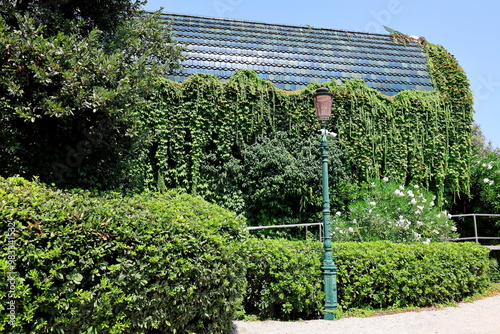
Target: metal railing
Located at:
point(251, 228)
point(476, 237)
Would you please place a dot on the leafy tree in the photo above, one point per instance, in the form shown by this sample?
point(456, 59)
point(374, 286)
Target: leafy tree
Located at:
point(69, 93)
point(106, 15)
point(484, 196)
point(479, 144)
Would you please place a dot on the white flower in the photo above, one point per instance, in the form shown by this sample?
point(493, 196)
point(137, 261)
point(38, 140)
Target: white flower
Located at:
point(415, 186)
point(410, 193)
point(454, 228)
point(341, 232)
point(486, 180)
point(372, 184)
point(420, 207)
point(402, 187)
point(399, 193)
point(427, 241)
point(491, 182)
point(490, 166)
point(338, 213)
point(424, 200)
point(373, 203)
point(417, 212)
point(370, 211)
point(484, 165)
point(385, 179)
point(435, 231)
point(432, 203)
point(354, 221)
point(351, 229)
point(419, 223)
point(413, 201)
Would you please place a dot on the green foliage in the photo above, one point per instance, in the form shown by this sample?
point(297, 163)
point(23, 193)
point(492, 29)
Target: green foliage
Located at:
point(69, 100)
point(494, 270)
point(386, 210)
point(284, 279)
point(204, 127)
point(285, 282)
point(484, 195)
point(485, 185)
point(142, 264)
point(105, 15)
point(384, 274)
point(279, 178)
point(83, 109)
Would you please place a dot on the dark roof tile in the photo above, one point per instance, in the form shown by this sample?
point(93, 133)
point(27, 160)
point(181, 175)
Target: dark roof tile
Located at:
point(292, 57)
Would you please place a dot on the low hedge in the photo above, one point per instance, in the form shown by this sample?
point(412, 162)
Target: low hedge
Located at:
point(141, 264)
point(285, 279)
point(384, 274)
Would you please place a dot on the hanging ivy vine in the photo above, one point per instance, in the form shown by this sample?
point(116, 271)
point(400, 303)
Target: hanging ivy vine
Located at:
point(416, 136)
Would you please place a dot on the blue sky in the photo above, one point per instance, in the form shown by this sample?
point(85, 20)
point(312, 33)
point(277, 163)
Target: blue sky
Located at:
point(469, 30)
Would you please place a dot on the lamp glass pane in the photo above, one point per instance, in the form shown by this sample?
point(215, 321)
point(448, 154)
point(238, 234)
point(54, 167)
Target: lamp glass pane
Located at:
point(323, 106)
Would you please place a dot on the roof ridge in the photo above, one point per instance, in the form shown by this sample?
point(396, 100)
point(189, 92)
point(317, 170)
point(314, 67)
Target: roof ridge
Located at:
point(274, 24)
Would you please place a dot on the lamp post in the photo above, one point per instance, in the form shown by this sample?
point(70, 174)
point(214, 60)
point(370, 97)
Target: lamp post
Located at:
point(323, 106)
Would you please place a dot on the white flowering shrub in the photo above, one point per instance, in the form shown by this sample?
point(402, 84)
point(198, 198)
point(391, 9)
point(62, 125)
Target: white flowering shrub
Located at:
point(385, 210)
point(485, 187)
point(484, 196)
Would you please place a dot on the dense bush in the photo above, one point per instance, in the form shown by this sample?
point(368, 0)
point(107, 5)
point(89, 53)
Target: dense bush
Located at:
point(276, 180)
point(142, 264)
point(387, 210)
point(484, 196)
point(383, 274)
point(285, 281)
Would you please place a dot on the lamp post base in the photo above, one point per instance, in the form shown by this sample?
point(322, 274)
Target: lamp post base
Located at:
point(330, 281)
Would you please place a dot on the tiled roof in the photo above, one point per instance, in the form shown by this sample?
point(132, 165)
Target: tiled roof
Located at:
point(292, 57)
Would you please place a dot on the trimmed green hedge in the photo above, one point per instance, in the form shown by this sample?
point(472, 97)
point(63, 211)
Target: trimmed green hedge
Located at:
point(285, 279)
point(143, 264)
point(383, 274)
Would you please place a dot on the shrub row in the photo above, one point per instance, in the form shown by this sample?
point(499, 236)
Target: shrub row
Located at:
point(170, 263)
point(285, 280)
point(142, 264)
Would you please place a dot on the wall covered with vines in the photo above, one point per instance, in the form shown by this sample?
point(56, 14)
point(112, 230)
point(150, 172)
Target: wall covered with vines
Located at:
point(203, 125)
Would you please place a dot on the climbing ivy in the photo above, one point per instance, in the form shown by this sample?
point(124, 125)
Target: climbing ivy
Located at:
point(424, 138)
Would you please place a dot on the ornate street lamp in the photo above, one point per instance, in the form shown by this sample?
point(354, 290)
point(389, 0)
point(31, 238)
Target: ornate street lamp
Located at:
point(323, 106)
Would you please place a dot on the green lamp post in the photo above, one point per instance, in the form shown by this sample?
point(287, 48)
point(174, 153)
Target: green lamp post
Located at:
point(323, 106)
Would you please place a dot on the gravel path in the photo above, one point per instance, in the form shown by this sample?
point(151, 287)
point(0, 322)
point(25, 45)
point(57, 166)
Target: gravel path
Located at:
point(479, 317)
